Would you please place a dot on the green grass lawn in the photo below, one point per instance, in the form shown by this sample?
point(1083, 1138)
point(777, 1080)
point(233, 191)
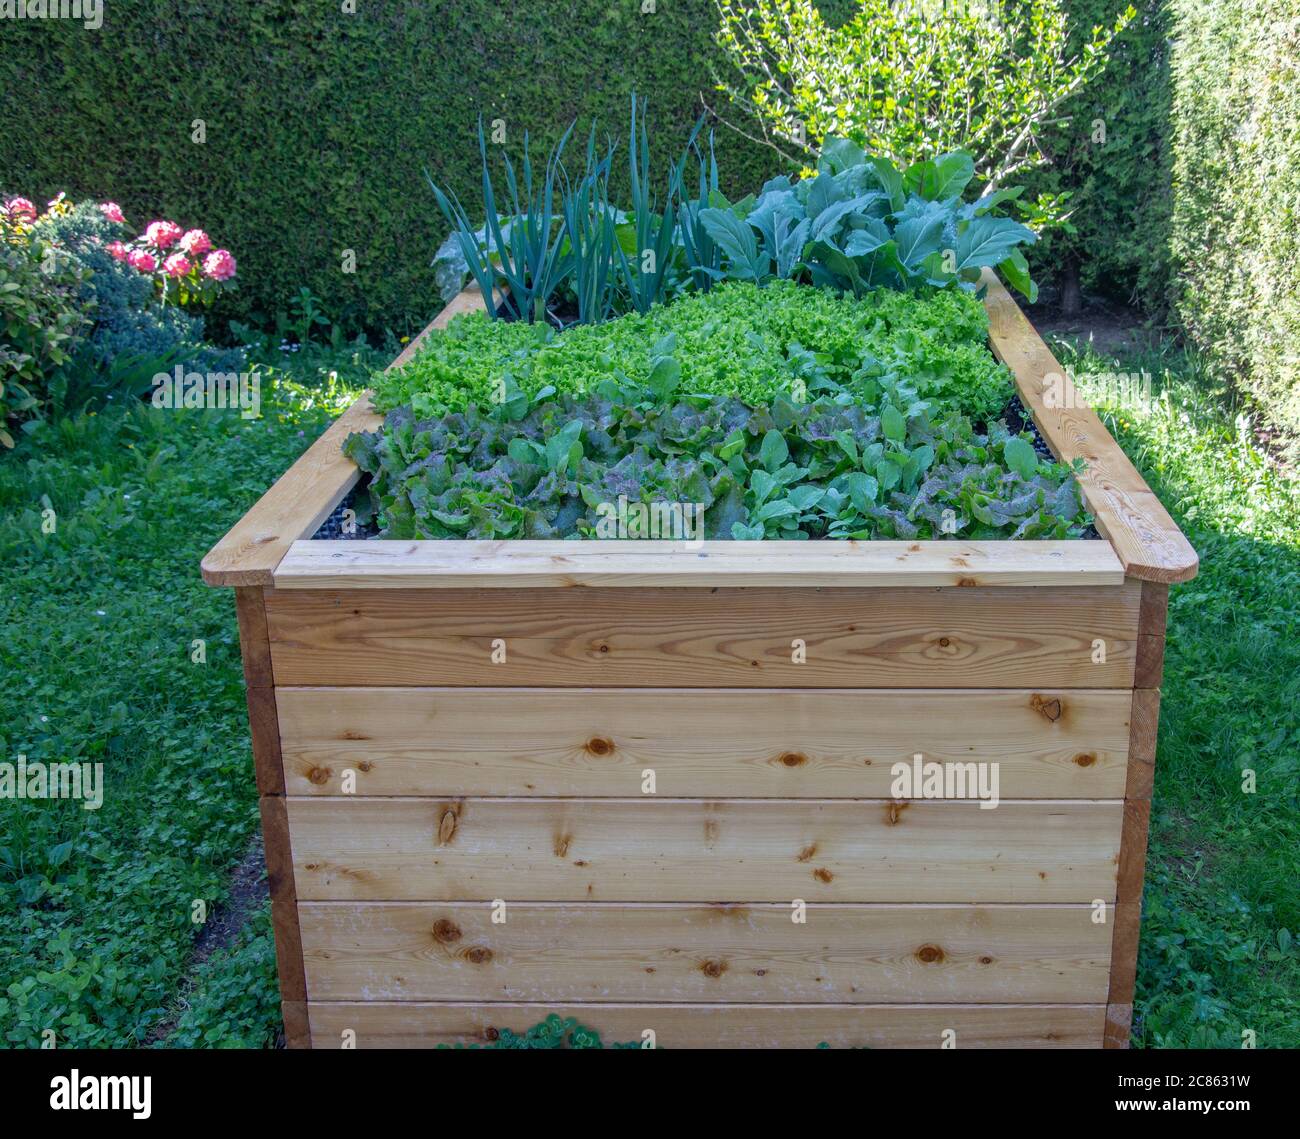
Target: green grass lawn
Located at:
point(100, 618)
point(96, 929)
point(1222, 911)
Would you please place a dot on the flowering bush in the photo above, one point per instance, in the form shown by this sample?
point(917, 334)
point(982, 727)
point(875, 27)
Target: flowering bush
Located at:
point(86, 312)
point(174, 258)
point(43, 314)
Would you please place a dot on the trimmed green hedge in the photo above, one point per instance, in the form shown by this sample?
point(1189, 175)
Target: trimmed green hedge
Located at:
point(1119, 180)
point(1235, 237)
point(318, 123)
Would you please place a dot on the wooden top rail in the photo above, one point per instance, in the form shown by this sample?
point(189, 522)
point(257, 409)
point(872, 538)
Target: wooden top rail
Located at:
point(460, 564)
point(1127, 513)
point(307, 493)
point(267, 546)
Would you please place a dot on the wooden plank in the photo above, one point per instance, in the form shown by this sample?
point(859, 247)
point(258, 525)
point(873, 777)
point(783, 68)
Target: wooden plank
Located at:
point(631, 563)
point(284, 902)
point(307, 493)
point(1128, 921)
point(783, 743)
point(726, 638)
point(259, 693)
point(1144, 720)
point(297, 1034)
point(841, 954)
point(254, 648)
point(692, 850)
point(301, 499)
point(426, 1025)
point(1146, 538)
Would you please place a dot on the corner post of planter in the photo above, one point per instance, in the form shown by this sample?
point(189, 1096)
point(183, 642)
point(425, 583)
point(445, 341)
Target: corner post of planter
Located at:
point(264, 727)
point(1143, 723)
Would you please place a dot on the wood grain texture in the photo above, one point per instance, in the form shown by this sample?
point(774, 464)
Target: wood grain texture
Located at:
point(631, 564)
point(254, 647)
point(259, 691)
point(1144, 720)
point(284, 901)
point(1128, 921)
point(726, 638)
point(307, 493)
point(297, 1034)
point(1147, 540)
point(692, 850)
point(294, 507)
point(841, 954)
point(712, 743)
point(426, 1025)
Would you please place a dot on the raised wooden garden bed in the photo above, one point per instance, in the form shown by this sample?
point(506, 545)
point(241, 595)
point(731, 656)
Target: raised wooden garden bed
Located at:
point(410, 785)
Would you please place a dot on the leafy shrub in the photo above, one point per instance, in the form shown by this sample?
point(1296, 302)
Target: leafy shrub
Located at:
point(860, 222)
point(738, 340)
point(327, 119)
point(134, 335)
point(1236, 211)
point(43, 314)
point(880, 463)
point(908, 80)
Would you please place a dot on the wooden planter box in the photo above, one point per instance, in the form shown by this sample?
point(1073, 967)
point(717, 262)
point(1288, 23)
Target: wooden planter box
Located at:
point(411, 786)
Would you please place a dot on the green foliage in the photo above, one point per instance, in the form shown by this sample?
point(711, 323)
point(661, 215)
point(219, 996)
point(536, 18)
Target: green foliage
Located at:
point(134, 336)
point(910, 80)
point(235, 996)
point(95, 928)
point(882, 465)
point(531, 255)
point(1221, 911)
point(1236, 215)
point(43, 319)
point(319, 123)
point(551, 1033)
point(1108, 164)
point(861, 223)
point(737, 340)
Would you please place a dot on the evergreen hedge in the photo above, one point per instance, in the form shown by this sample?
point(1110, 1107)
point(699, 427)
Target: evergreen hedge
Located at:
point(1235, 235)
point(320, 122)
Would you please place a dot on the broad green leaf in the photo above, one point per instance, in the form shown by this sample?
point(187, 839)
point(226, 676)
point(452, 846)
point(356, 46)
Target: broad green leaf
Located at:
point(989, 240)
point(1016, 270)
point(737, 239)
point(918, 238)
point(773, 451)
point(1020, 457)
point(665, 375)
point(892, 424)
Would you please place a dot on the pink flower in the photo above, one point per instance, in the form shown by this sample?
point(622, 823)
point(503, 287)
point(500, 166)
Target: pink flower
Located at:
point(20, 209)
point(195, 242)
point(119, 252)
point(176, 265)
point(162, 233)
point(145, 262)
point(112, 211)
point(219, 265)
